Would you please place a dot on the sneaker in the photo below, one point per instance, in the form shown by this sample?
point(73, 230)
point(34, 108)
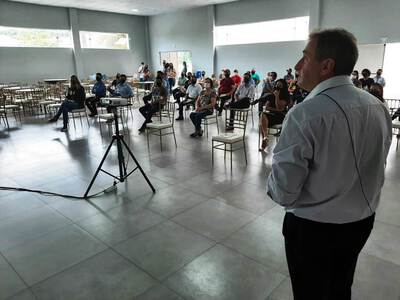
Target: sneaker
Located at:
point(179, 119)
point(52, 120)
point(200, 133)
point(194, 134)
point(229, 128)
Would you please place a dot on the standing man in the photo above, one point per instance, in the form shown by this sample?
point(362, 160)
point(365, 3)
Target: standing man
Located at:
point(328, 169)
point(379, 79)
point(289, 76)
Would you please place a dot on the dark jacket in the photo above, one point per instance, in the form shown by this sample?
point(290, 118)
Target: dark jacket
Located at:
point(77, 96)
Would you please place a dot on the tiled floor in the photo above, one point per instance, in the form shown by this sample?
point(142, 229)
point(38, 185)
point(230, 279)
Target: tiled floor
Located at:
point(207, 233)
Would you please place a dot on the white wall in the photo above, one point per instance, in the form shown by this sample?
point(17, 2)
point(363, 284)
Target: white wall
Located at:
point(32, 64)
point(183, 30)
point(368, 20)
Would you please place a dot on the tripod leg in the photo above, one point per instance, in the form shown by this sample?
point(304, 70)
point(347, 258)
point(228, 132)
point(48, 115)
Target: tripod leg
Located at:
point(140, 168)
point(98, 168)
point(121, 162)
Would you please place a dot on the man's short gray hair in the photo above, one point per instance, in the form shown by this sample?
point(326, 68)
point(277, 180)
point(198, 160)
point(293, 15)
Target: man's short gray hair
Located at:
point(339, 45)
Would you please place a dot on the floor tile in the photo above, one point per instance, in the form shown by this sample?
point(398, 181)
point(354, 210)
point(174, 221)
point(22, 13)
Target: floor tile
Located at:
point(263, 241)
point(214, 219)
point(120, 223)
point(10, 282)
point(384, 242)
point(26, 227)
point(104, 276)
point(173, 200)
point(159, 292)
point(223, 274)
point(24, 295)
point(249, 197)
point(18, 203)
point(376, 279)
point(51, 253)
point(164, 249)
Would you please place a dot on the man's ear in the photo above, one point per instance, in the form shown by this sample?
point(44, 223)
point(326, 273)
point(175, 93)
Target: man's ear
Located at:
point(328, 67)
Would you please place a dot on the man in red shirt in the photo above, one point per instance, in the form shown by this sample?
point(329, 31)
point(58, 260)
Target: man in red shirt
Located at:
point(236, 78)
point(225, 90)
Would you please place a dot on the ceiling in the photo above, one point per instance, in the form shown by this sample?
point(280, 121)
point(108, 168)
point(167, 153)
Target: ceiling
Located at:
point(132, 7)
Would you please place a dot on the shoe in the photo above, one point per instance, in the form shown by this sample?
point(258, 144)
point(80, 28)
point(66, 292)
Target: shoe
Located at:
point(179, 119)
point(92, 115)
point(229, 128)
point(142, 129)
point(64, 129)
point(200, 133)
point(194, 134)
point(264, 144)
point(52, 120)
point(219, 114)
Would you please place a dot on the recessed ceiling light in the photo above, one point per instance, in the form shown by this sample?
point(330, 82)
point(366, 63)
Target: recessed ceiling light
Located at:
point(134, 10)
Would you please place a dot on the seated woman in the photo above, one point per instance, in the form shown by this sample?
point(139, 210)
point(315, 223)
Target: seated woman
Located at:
point(276, 110)
point(159, 96)
point(205, 104)
point(376, 89)
point(75, 99)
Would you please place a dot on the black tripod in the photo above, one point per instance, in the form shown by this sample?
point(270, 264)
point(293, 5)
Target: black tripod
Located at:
point(121, 161)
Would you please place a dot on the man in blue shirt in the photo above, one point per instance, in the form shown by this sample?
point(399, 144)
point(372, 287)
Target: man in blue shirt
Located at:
point(123, 89)
point(99, 91)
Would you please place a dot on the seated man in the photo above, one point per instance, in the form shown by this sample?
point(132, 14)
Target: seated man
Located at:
point(122, 89)
point(225, 90)
point(183, 83)
point(114, 83)
point(243, 95)
point(193, 91)
point(75, 99)
point(204, 106)
point(266, 94)
point(159, 96)
point(99, 91)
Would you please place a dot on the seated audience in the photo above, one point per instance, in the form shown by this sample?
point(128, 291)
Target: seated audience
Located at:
point(180, 91)
point(366, 81)
point(236, 78)
point(289, 76)
point(171, 74)
point(205, 104)
point(379, 79)
point(355, 80)
point(122, 89)
point(141, 72)
point(99, 91)
point(75, 99)
point(243, 95)
point(192, 92)
point(202, 78)
point(255, 77)
point(377, 90)
point(114, 83)
point(276, 110)
point(225, 90)
point(267, 90)
point(154, 102)
point(296, 92)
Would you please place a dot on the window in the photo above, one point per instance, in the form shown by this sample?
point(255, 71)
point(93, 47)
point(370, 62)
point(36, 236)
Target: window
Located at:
point(177, 58)
point(293, 29)
point(391, 66)
point(104, 40)
point(30, 37)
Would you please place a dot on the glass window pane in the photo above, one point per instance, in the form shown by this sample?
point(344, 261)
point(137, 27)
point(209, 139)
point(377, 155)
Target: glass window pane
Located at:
point(104, 40)
point(293, 29)
point(391, 68)
point(32, 37)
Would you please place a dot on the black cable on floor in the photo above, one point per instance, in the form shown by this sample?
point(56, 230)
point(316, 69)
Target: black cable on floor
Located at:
point(46, 193)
